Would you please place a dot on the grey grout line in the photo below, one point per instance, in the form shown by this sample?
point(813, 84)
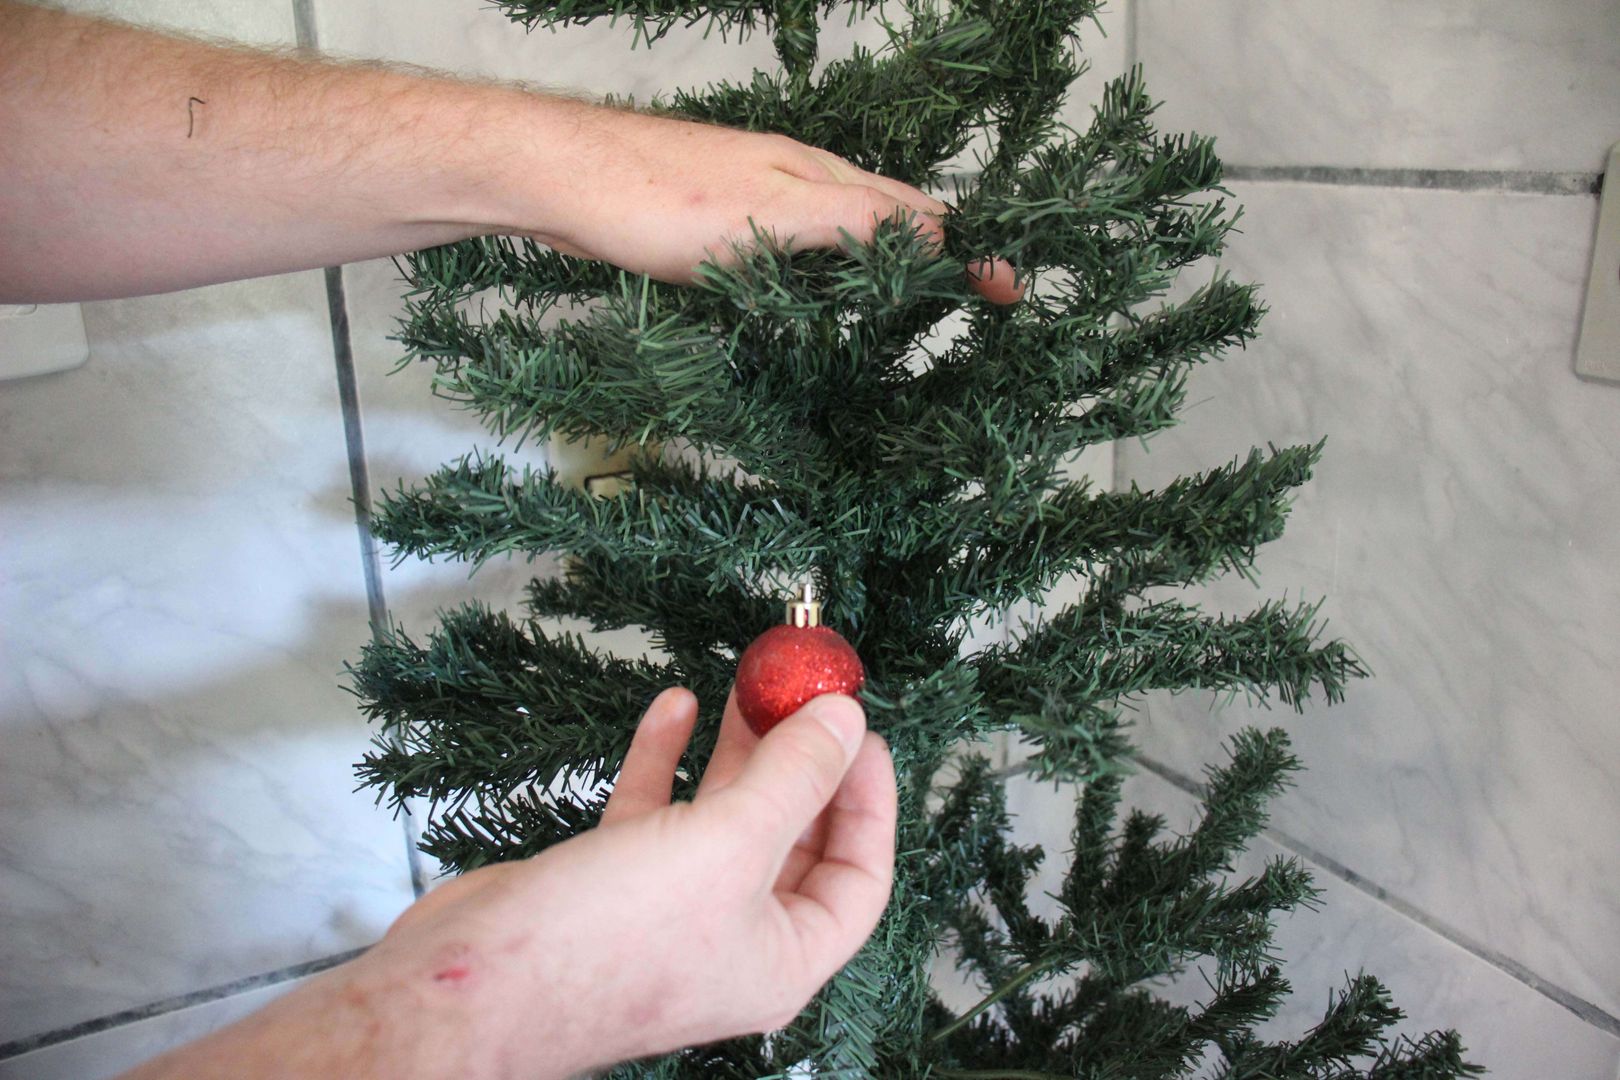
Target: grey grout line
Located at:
point(30, 1043)
point(1523, 182)
point(1583, 1009)
point(1460, 180)
point(337, 304)
point(303, 13)
point(1131, 52)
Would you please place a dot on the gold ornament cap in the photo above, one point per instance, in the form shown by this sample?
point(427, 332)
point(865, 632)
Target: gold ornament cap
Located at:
point(805, 609)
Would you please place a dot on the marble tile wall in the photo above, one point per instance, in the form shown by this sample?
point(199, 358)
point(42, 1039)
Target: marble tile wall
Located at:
point(117, 1049)
point(1447, 84)
point(1465, 523)
point(1462, 528)
point(179, 588)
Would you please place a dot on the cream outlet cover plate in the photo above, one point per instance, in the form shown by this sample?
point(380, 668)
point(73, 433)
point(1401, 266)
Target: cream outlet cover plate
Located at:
point(36, 339)
point(1599, 353)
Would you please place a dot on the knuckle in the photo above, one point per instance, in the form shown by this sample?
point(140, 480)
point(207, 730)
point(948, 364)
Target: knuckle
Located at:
point(873, 205)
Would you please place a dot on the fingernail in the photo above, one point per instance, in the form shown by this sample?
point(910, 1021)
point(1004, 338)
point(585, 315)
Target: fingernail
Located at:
point(842, 716)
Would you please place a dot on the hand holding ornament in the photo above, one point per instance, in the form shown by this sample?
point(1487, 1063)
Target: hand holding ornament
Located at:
point(671, 924)
point(668, 925)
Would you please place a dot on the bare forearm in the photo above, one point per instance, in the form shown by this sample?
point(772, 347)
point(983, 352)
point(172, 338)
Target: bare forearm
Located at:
point(390, 1014)
point(134, 162)
point(137, 162)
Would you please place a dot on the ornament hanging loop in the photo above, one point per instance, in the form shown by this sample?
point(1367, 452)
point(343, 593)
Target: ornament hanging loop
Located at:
point(805, 609)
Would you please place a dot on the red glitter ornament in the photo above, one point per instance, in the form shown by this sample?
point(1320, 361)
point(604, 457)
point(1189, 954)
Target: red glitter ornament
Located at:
point(788, 665)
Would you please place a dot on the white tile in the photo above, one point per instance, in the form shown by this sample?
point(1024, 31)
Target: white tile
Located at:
point(108, 1053)
point(1514, 1031)
point(408, 434)
point(478, 40)
point(251, 22)
point(1447, 84)
point(1103, 44)
point(1465, 529)
point(181, 589)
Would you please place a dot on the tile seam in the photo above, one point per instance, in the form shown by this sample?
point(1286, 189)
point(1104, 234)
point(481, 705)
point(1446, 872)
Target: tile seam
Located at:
point(355, 443)
point(1526, 182)
point(303, 13)
point(1132, 29)
point(1454, 180)
point(337, 303)
point(360, 487)
point(152, 1010)
point(307, 35)
point(1584, 1010)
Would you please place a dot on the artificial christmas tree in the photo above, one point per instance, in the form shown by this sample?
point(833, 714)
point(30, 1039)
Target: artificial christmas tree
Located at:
point(818, 416)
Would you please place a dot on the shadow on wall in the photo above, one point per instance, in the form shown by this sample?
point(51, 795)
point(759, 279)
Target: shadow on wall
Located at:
point(160, 842)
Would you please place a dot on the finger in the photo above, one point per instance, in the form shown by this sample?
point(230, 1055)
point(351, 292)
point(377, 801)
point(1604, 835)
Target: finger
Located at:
point(995, 280)
point(841, 171)
point(731, 749)
point(905, 195)
point(902, 199)
point(824, 213)
point(844, 213)
point(842, 897)
point(901, 202)
point(648, 773)
point(792, 775)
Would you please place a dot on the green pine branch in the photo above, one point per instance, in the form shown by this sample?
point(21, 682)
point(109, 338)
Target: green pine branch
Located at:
point(646, 365)
point(518, 270)
point(1039, 369)
point(479, 508)
point(1168, 646)
point(669, 598)
point(488, 705)
point(905, 109)
point(1008, 543)
point(480, 831)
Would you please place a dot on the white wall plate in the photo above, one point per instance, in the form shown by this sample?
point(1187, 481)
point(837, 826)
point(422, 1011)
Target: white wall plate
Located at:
point(1599, 354)
point(36, 339)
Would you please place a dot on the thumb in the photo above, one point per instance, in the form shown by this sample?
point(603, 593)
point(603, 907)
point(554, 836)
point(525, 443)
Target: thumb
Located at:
point(795, 770)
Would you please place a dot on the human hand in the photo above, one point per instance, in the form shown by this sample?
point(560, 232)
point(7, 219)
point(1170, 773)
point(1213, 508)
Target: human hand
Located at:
point(671, 924)
point(659, 196)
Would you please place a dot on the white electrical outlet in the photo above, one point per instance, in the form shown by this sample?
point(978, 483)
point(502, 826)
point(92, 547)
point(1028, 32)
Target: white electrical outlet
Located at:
point(36, 339)
point(1599, 353)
